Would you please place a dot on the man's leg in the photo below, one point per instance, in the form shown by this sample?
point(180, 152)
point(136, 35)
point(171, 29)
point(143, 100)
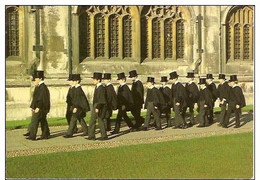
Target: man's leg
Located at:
point(44, 126)
point(84, 126)
point(237, 116)
point(127, 119)
point(148, 116)
point(34, 125)
point(92, 125)
point(102, 128)
point(227, 116)
point(222, 113)
point(72, 125)
point(118, 121)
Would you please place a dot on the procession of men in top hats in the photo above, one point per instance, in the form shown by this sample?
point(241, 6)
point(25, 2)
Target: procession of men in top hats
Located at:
point(159, 103)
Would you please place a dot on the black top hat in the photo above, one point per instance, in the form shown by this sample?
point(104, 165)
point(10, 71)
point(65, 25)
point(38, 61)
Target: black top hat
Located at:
point(76, 77)
point(132, 73)
point(190, 75)
point(121, 76)
point(150, 79)
point(107, 76)
point(221, 76)
point(209, 76)
point(164, 79)
point(70, 77)
point(202, 81)
point(38, 74)
point(233, 78)
point(97, 75)
point(174, 75)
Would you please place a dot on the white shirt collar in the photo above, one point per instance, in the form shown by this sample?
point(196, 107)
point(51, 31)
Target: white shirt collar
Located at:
point(122, 84)
point(210, 82)
point(41, 82)
point(76, 86)
point(164, 86)
point(151, 87)
point(72, 86)
point(108, 84)
point(235, 85)
point(224, 81)
point(204, 88)
point(190, 82)
point(136, 80)
point(176, 82)
point(98, 84)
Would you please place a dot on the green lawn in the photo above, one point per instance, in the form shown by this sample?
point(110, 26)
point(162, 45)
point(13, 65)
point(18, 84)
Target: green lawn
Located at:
point(18, 124)
point(226, 156)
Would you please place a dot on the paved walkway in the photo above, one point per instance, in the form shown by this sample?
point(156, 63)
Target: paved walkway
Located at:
point(17, 145)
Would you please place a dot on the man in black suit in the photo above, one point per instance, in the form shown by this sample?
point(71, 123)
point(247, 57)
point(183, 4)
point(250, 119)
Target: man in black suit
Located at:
point(69, 101)
point(80, 106)
point(125, 103)
point(204, 103)
point(99, 108)
point(40, 107)
point(166, 108)
point(111, 100)
point(137, 91)
point(236, 101)
point(213, 90)
point(178, 100)
point(223, 92)
point(193, 94)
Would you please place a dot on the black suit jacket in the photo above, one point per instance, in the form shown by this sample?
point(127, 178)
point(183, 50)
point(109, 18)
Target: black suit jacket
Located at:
point(205, 95)
point(138, 93)
point(41, 98)
point(124, 97)
point(111, 97)
point(69, 96)
point(166, 92)
point(213, 90)
point(79, 101)
point(192, 93)
point(237, 97)
point(100, 99)
point(178, 92)
point(155, 96)
point(223, 91)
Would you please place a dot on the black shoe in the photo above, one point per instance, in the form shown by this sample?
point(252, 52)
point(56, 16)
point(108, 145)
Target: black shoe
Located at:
point(27, 134)
point(224, 126)
point(207, 125)
point(114, 132)
point(144, 128)
point(157, 129)
point(43, 137)
point(237, 126)
point(67, 136)
point(91, 138)
point(29, 138)
point(200, 125)
point(103, 138)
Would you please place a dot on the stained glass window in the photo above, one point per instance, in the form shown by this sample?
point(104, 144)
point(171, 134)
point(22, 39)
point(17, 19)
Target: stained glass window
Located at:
point(168, 38)
point(127, 36)
point(113, 36)
point(156, 38)
point(179, 39)
point(246, 41)
point(99, 36)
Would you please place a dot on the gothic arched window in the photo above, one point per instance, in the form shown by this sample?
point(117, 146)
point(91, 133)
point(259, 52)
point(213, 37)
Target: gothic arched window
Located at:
point(156, 37)
point(239, 34)
point(127, 36)
point(179, 39)
point(168, 38)
point(113, 35)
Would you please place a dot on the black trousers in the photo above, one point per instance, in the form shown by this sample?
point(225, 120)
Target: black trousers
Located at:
point(179, 120)
point(68, 117)
point(92, 124)
point(232, 108)
point(211, 114)
point(167, 113)
point(122, 114)
point(191, 110)
point(37, 118)
point(156, 115)
point(222, 112)
point(136, 112)
point(203, 114)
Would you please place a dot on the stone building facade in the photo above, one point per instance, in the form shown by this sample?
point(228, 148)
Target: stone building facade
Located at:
point(155, 40)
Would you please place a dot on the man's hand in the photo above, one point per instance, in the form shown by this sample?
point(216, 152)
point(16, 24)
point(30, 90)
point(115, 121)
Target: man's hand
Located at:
point(205, 105)
point(96, 110)
point(123, 107)
point(237, 106)
point(196, 105)
point(36, 110)
point(155, 107)
point(177, 104)
point(74, 110)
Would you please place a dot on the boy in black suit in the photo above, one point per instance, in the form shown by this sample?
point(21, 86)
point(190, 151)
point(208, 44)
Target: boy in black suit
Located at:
point(214, 94)
point(40, 107)
point(178, 100)
point(193, 94)
point(204, 103)
point(223, 92)
point(153, 101)
point(111, 100)
point(137, 91)
point(125, 103)
point(166, 108)
point(99, 108)
point(236, 101)
point(80, 106)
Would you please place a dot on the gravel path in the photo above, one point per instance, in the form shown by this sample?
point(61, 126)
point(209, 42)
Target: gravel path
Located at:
point(17, 145)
